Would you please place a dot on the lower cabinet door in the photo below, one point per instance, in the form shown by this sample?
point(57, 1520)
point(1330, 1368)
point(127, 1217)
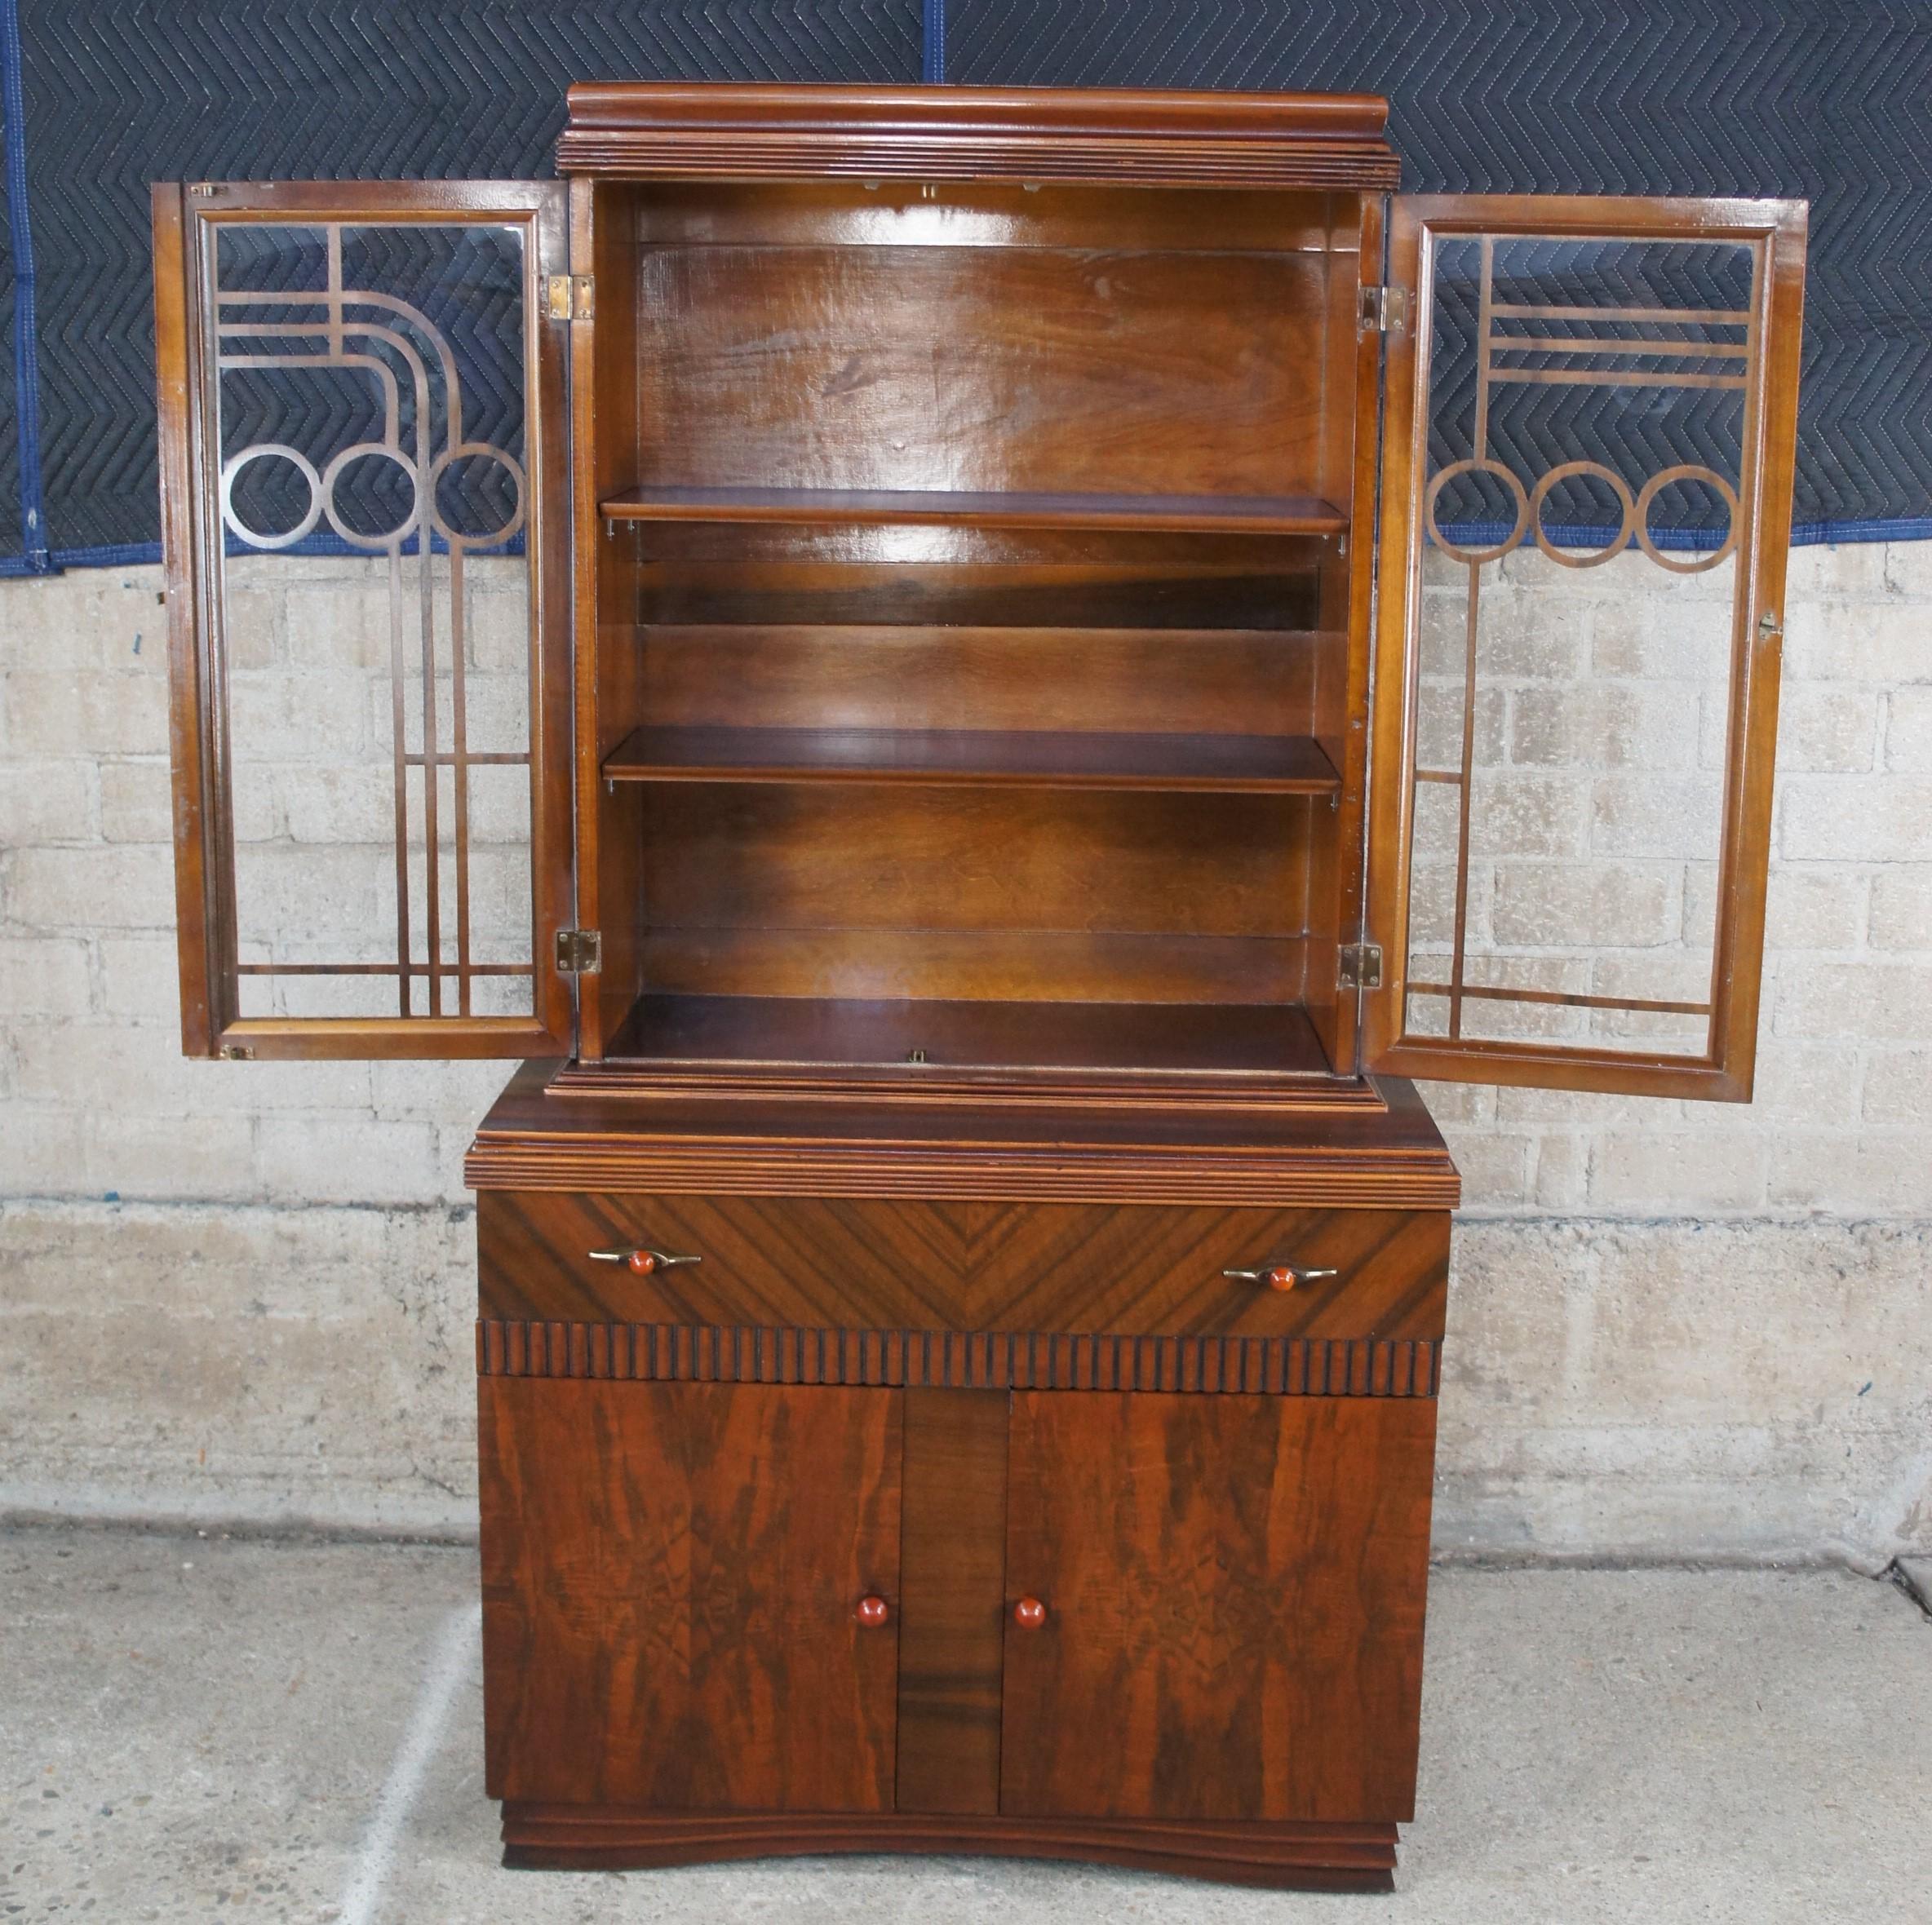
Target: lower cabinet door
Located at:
point(690, 1594)
point(1215, 1605)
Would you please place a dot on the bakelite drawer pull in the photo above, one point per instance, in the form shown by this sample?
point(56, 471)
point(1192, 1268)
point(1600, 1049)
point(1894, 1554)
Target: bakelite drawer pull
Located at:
point(1279, 1276)
point(644, 1262)
point(872, 1611)
point(1030, 1613)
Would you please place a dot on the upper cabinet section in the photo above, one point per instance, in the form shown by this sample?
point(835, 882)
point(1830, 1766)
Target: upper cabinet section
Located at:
point(1585, 509)
point(655, 129)
point(366, 538)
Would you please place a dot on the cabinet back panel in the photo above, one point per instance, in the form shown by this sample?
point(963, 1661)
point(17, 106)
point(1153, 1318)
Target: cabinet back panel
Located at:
point(1023, 965)
point(1231, 680)
point(984, 213)
point(1103, 370)
point(794, 576)
point(755, 856)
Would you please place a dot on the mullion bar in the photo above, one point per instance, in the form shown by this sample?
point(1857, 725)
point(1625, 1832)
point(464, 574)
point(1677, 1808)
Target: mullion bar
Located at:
point(1484, 992)
point(458, 752)
point(1703, 317)
point(432, 904)
point(1608, 377)
point(373, 969)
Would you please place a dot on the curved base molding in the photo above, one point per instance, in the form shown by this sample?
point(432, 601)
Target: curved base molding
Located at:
point(1290, 1856)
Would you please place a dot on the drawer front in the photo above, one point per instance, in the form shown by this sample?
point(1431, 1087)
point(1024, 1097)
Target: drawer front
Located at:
point(831, 1264)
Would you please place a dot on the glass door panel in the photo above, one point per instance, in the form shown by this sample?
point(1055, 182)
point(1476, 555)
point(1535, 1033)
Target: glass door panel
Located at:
point(370, 650)
point(1586, 504)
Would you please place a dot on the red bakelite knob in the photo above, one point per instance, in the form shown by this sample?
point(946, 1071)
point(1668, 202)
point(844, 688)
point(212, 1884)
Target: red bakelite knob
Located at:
point(1030, 1613)
point(873, 1610)
point(1281, 1277)
point(642, 1261)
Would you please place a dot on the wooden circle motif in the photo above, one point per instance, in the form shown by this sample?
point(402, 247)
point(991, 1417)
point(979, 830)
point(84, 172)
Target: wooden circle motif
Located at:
point(1686, 471)
point(1597, 557)
point(380, 451)
point(475, 451)
point(235, 463)
point(1480, 466)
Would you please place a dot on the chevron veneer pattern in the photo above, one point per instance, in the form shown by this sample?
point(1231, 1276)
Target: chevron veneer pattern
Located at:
point(893, 1263)
point(959, 1359)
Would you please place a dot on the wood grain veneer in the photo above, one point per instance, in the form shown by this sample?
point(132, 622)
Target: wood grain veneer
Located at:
point(1234, 1592)
point(896, 1264)
point(952, 1566)
point(670, 1572)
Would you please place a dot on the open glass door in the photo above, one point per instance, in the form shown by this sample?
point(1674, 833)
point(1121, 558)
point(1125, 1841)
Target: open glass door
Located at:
point(1586, 503)
point(364, 479)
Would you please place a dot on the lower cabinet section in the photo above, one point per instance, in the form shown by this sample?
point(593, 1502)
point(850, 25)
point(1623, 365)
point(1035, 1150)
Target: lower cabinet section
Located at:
point(1176, 1629)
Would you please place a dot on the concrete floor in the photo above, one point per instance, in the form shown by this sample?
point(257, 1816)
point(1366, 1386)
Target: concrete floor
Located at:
point(200, 1729)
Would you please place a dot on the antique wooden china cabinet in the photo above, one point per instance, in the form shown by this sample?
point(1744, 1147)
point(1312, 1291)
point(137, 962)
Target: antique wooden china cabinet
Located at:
point(972, 678)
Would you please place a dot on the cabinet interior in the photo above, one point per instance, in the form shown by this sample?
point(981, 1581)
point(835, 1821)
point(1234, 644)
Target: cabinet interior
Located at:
point(974, 689)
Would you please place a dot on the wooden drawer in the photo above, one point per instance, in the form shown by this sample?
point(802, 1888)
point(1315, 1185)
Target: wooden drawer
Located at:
point(889, 1264)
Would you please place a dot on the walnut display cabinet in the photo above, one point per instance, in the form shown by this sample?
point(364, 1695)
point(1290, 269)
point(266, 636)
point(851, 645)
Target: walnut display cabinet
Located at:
point(971, 679)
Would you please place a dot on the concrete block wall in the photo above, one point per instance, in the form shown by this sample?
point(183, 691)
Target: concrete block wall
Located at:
point(242, 1292)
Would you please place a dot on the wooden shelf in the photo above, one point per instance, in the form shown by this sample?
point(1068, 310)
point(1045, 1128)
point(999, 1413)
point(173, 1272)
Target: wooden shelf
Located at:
point(780, 1033)
point(1040, 759)
point(1248, 514)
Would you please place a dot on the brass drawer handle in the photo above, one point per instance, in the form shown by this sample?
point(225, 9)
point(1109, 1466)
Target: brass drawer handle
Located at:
point(644, 1262)
point(1279, 1277)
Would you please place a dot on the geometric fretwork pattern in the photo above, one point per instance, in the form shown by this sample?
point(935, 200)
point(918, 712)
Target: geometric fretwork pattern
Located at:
point(370, 411)
point(1572, 726)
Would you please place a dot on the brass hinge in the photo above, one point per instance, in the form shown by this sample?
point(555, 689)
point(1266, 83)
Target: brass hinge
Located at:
point(580, 951)
point(570, 296)
point(1360, 965)
point(1384, 310)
